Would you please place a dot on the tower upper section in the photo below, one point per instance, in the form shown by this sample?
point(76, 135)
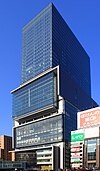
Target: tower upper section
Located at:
point(47, 42)
point(37, 45)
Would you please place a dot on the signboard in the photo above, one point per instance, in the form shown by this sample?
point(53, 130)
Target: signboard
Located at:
point(77, 137)
point(75, 160)
point(75, 149)
point(92, 132)
point(76, 165)
point(89, 117)
point(75, 144)
point(75, 155)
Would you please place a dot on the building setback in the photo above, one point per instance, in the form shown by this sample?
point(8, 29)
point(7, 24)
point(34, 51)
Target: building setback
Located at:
point(55, 85)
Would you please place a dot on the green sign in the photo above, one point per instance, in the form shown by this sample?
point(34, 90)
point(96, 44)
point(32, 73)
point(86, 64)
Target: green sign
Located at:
point(77, 137)
point(75, 160)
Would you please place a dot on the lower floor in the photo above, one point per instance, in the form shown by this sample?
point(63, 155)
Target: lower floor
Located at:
point(46, 157)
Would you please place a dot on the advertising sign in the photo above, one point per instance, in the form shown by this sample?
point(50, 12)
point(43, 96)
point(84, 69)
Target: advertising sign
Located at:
point(77, 137)
point(75, 155)
point(76, 165)
point(75, 144)
point(89, 117)
point(75, 149)
point(75, 160)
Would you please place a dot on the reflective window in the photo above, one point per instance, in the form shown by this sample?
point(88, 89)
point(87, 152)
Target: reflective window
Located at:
point(91, 149)
point(48, 42)
point(36, 95)
point(70, 120)
point(45, 131)
point(36, 45)
point(28, 157)
point(68, 52)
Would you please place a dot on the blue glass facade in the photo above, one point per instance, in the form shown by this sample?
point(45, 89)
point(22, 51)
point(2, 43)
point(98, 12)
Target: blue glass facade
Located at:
point(48, 42)
point(37, 45)
point(37, 95)
point(70, 120)
point(41, 132)
point(68, 53)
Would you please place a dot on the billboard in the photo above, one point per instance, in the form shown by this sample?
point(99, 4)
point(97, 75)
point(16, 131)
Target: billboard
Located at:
point(77, 137)
point(89, 117)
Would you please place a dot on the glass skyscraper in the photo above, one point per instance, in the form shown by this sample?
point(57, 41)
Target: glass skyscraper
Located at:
point(55, 84)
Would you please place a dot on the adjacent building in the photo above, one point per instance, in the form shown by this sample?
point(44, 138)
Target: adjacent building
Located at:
point(85, 141)
point(55, 85)
point(5, 147)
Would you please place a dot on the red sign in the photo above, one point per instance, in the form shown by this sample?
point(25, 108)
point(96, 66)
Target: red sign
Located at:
point(75, 149)
point(88, 118)
point(75, 155)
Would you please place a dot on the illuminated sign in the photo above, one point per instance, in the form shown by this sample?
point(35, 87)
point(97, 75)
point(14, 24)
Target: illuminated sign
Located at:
point(77, 137)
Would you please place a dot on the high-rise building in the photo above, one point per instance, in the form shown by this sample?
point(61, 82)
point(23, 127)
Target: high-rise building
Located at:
point(5, 147)
point(55, 84)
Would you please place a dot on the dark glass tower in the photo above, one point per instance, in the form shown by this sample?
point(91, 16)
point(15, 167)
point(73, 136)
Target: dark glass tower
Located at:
point(49, 42)
point(55, 84)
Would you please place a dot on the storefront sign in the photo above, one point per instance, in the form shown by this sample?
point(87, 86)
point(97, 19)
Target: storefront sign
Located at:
point(75, 155)
point(75, 149)
point(75, 160)
point(75, 165)
point(77, 137)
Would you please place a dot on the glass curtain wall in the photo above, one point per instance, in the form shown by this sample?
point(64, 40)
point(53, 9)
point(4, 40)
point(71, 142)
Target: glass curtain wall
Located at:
point(44, 131)
point(37, 95)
